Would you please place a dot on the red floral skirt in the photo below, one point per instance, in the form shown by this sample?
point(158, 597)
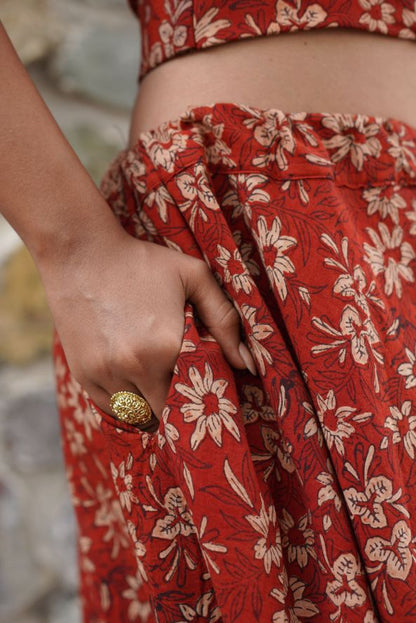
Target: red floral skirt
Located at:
point(291, 495)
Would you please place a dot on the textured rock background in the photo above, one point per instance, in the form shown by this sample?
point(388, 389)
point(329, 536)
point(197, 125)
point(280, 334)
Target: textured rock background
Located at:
point(83, 56)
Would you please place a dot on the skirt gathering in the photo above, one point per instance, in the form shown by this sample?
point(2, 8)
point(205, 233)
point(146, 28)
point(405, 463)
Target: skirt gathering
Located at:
point(286, 496)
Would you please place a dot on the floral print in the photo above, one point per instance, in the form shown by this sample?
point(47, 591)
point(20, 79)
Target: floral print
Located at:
point(286, 496)
point(171, 27)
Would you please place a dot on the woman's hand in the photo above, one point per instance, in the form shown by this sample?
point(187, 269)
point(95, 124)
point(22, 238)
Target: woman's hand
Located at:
point(118, 308)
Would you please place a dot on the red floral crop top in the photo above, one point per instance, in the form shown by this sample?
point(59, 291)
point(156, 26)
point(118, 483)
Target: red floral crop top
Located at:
point(172, 27)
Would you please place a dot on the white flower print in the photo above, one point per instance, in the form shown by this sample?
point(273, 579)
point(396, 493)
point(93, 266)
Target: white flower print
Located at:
point(139, 549)
point(378, 14)
point(273, 246)
point(137, 610)
point(178, 519)
point(327, 492)
point(205, 609)
point(353, 137)
point(164, 146)
point(234, 269)
point(172, 37)
point(356, 334)
point(395, 553)
point(344, 588)
point(288, 15)
point(196, 189)
point(257, 334)
point(276, 136)
point(160, 198)
point(205, 29)
point(408, 369)
point(297, 538)
point(123, 482)
point(369, 504)
point(109, 515)
point(391, 257)
point(75, 438)
point(209, 408)
point(333, 420)
point(412, 217)
point(245, 193)
point(216, 149)
point(403, 151)
point(386, 200)
point(269, 547)
point(409, 18)
point(296, 607)
point(402, 422)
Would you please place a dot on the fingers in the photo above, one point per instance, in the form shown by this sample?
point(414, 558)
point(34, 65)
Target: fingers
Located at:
point(218, 314)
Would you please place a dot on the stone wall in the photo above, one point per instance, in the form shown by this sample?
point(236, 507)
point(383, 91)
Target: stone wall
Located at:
point(83, 56)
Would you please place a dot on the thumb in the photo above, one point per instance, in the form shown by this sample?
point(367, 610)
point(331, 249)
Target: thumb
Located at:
point(218, 315)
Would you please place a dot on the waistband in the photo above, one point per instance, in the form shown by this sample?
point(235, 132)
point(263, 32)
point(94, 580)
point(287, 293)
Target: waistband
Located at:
point(356, 149)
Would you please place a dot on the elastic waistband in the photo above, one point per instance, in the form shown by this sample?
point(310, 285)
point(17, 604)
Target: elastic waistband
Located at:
point(355, 149)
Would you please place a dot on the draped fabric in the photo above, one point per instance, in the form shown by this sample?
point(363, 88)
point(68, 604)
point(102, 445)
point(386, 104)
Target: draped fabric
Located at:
point(285, 496)
point(173, 27)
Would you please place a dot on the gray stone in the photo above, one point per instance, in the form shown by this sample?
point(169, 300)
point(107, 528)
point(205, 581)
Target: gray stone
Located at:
point(99, 58)
point(22, 580)
point(32, 433)
point(32, 27)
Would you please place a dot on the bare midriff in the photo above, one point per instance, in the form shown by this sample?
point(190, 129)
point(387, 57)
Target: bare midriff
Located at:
point(328, 70)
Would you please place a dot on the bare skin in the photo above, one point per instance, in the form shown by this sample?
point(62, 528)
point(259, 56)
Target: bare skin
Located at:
point(93, 272)
point(329, 70)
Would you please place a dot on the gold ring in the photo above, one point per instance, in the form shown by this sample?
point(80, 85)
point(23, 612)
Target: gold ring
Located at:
point(130, 408)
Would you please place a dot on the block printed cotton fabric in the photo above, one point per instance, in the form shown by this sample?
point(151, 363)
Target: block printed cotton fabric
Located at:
point(288, 496)
point(173, 27)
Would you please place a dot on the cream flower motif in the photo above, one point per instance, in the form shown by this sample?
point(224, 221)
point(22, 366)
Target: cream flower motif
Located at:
point(77, 400)
point(370, 504)
point(205, 29)
point(412, 217)
point(355, 334)
point(245, 193)
point(172, 37)
point(395, 554)
point(377, 15)
point(256, 335)
point(344, 588)
point(273, 246)
point(297, 538)
point(269, 547)
point(195, 188)
point(255, 406)
point(139, 549)
point(164, 146)
point(178, 520)
point(74, 438)
point(276, 136)
point(137, 610)
point(403, 425)
point(402, 150)
point(327, 492)
point(205, 609)
point(334, 421)
point(409, 18)
point(386, 200)
point(216, 149)
point(353, 138)
point(408, 369)
point(234, 269)
point(289, 16)
point(161, 198)
point(209, 408)
point(109, 515)
point(296, 607)
point(391, 257)
point(123, 482)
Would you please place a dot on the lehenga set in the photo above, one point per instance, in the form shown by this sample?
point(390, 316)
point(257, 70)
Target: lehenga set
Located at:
point(286, 496)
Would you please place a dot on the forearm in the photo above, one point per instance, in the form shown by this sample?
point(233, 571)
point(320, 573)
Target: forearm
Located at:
point(45, 192)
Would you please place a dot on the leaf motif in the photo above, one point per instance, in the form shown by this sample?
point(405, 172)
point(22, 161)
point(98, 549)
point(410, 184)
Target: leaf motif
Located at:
point(236, 485)
point(188, 479)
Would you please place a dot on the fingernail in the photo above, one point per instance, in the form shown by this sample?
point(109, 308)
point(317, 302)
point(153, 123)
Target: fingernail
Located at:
point(247, 358)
